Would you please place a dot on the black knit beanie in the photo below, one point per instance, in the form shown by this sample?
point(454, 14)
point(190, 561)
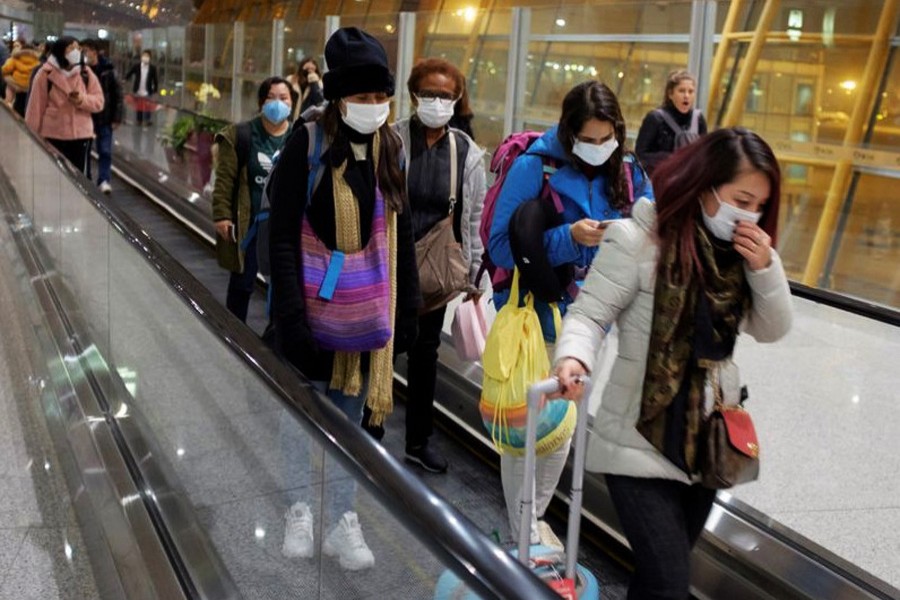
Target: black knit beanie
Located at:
point(357, 64)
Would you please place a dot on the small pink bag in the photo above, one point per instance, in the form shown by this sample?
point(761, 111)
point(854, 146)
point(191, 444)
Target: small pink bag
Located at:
point(469, 330)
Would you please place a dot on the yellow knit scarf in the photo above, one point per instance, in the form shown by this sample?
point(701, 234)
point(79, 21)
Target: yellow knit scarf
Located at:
point(346, 374)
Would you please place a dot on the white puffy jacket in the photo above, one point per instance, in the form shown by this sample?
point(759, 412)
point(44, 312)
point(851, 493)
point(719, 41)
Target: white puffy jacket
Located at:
point(620, 288)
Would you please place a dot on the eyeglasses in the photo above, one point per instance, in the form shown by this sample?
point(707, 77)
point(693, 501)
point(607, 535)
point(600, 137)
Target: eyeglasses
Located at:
point(428, 97)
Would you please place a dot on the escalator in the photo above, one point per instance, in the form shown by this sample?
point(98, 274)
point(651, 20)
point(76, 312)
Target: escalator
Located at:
point(207, 416)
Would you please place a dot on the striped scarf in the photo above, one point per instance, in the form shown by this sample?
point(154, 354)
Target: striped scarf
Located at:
point(346, 374)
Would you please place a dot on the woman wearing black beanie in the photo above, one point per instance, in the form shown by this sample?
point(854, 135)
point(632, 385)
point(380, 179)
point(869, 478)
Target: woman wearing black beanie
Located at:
point(344, 276)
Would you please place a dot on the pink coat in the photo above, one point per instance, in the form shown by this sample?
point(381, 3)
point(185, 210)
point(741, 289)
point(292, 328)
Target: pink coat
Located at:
point(51, 115)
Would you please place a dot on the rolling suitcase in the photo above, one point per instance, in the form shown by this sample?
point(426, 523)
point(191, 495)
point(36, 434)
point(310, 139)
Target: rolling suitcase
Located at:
point(575, 582)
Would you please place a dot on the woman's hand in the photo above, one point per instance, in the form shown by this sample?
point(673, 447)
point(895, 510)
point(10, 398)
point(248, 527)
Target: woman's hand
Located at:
point(223, 229)
point(588, 232)
point(569, 372)
point(474, 295)
point(76, 98)
point(753, 244)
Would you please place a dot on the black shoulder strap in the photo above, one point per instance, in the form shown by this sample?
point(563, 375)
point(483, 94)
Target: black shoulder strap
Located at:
point(242, 144)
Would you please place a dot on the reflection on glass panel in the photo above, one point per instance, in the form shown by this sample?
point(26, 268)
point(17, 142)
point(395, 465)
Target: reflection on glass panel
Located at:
point(302, 39)
point(256, 64)
point(613, 18)
point(171, 85)
point(220, 74)
point(463, 19)
point(195, 56)
point(802, 197)
point(636, 72)
point(806, 90)
point(242, 461)
point(869, 251)
point(886, 134)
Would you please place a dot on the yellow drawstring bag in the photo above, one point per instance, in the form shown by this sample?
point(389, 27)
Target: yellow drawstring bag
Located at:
point(514, 358)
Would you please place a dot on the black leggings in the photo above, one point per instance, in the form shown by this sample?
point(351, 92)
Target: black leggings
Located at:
point(74, 150)
point(662, 520)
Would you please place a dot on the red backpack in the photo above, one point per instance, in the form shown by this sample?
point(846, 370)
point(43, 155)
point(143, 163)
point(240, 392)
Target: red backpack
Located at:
point(506, 153)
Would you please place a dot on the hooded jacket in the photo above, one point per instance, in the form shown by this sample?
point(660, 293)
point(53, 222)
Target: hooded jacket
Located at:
point(581, 198)
point(51, 115)
point(620, 289)
point(474, 189)
point(18, 68)
point(113, 108)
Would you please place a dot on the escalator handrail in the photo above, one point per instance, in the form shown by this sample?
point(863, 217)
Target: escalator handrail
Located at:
point(486, 568)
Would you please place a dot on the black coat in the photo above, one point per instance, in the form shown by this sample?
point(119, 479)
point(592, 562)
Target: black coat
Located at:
point(152, 81)
point(113, 108)
point(656, 140)
point(289, 202)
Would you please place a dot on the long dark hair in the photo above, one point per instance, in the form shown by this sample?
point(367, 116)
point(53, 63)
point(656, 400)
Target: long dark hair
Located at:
point(713, 160)
point(390, 178)
point(594, 100)
point(58, 50)
point(301, 75)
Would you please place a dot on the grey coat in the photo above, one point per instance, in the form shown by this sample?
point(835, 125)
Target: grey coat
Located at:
point(619, 289)
point(474, 189)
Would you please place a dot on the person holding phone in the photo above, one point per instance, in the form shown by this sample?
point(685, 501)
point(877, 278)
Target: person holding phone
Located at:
point(596, 181)
point(245, 157)
point(64, 95)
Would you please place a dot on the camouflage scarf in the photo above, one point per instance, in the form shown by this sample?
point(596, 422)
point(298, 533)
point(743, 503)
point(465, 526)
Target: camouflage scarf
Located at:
point(695, 323)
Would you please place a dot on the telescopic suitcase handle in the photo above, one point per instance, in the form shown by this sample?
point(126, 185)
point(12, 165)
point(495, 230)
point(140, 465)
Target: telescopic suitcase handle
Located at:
point(549, 386)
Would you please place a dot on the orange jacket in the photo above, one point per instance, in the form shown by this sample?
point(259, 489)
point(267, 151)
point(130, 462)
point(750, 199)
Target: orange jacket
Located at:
point(19, 66)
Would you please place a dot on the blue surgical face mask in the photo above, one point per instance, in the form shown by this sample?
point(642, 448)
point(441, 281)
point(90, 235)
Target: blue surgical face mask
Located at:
point(722, 223)
point(276, 111)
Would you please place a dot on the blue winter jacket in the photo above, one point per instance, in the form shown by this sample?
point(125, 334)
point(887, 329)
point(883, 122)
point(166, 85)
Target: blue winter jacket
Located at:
point(581, 198)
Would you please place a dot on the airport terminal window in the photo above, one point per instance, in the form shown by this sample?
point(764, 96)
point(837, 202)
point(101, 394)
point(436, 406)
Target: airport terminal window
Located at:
point(460, 18)
point(303, 38)
point(869, 252)
point(886, 134)
point(635, 71)
point(612, 18)
point(802, 199)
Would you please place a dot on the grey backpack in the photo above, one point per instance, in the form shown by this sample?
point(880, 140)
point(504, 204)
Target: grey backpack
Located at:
point(683, 137)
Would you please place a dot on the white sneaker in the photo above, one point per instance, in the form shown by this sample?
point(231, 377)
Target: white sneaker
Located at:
point(547, 537)
point(347, 543)
point(105, 187)
point(298, 532)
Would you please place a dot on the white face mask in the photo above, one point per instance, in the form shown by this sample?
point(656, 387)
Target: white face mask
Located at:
point(366, 118)
point(145, 60)
point(594, 154)
point(435, 112)
point(722, 223)
point(74, 57)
